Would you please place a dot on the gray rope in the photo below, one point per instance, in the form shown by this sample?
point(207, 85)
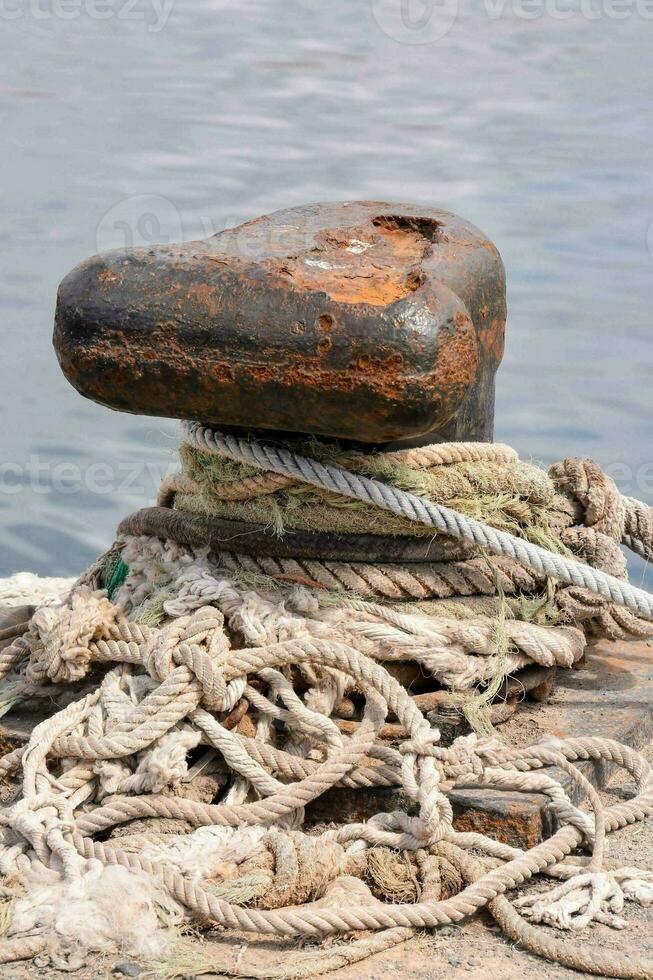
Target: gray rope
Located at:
point(404, 504)
point(638, 547)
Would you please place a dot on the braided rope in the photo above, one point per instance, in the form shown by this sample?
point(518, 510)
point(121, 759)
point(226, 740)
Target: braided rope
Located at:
point(474, 576)
point(159, 651)
point(404, 504)
point(423, 458)
point(118, 754)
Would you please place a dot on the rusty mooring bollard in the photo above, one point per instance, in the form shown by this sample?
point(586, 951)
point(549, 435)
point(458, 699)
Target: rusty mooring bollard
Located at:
point(362, 321)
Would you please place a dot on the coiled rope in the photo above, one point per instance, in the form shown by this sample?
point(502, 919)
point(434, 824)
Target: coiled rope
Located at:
point(284, 462)
point(195, 654)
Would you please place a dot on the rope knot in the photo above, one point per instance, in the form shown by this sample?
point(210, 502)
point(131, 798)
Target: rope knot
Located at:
point(422, 744)
point(468, 755)
point(197, 642)
point(603, 505)
point(60, 636)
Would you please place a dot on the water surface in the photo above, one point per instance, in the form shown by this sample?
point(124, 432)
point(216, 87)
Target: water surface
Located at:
point(539, 131)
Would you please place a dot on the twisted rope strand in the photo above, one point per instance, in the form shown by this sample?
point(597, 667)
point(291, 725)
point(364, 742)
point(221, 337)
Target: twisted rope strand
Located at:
point(249, 660)
point(405, 504)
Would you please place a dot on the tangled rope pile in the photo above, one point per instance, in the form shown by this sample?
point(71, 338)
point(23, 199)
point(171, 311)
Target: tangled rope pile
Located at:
point(209, 691)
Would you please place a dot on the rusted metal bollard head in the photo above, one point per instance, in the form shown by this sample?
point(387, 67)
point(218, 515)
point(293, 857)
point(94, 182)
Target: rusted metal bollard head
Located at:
point(364, 321)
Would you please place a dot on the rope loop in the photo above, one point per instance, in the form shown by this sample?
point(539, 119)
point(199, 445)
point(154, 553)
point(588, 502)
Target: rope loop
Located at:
point(198, 642)
point(603, 505)
point(235, 697)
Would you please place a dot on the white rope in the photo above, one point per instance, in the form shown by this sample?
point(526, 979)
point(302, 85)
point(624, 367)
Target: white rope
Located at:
point(119, 754)
point(26, 588)
point(408, 505)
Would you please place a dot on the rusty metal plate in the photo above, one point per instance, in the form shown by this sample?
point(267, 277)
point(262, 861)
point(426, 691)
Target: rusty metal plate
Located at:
point(609, 695)
point(196, 531)
point(365, 321)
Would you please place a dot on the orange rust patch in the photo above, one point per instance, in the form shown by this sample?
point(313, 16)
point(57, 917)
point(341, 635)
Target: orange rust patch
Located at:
point(514, 825)
point(385, 374)
point(203, 294)
point(106, 277)
point(324, 323)
point(457, 359)
point(493, 339)
point(375, 264)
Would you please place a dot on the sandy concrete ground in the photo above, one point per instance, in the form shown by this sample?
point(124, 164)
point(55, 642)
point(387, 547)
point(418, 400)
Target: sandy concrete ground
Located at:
point(473, 950)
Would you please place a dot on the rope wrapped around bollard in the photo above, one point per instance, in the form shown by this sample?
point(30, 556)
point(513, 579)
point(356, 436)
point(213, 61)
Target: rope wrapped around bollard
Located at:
point(166, 642)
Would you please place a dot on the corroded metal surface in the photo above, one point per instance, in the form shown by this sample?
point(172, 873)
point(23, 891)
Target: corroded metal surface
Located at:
point(365, 321)
point(196, 531)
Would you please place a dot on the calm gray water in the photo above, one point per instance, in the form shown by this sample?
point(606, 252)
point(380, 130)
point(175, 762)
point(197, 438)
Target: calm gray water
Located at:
point(135, 128)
